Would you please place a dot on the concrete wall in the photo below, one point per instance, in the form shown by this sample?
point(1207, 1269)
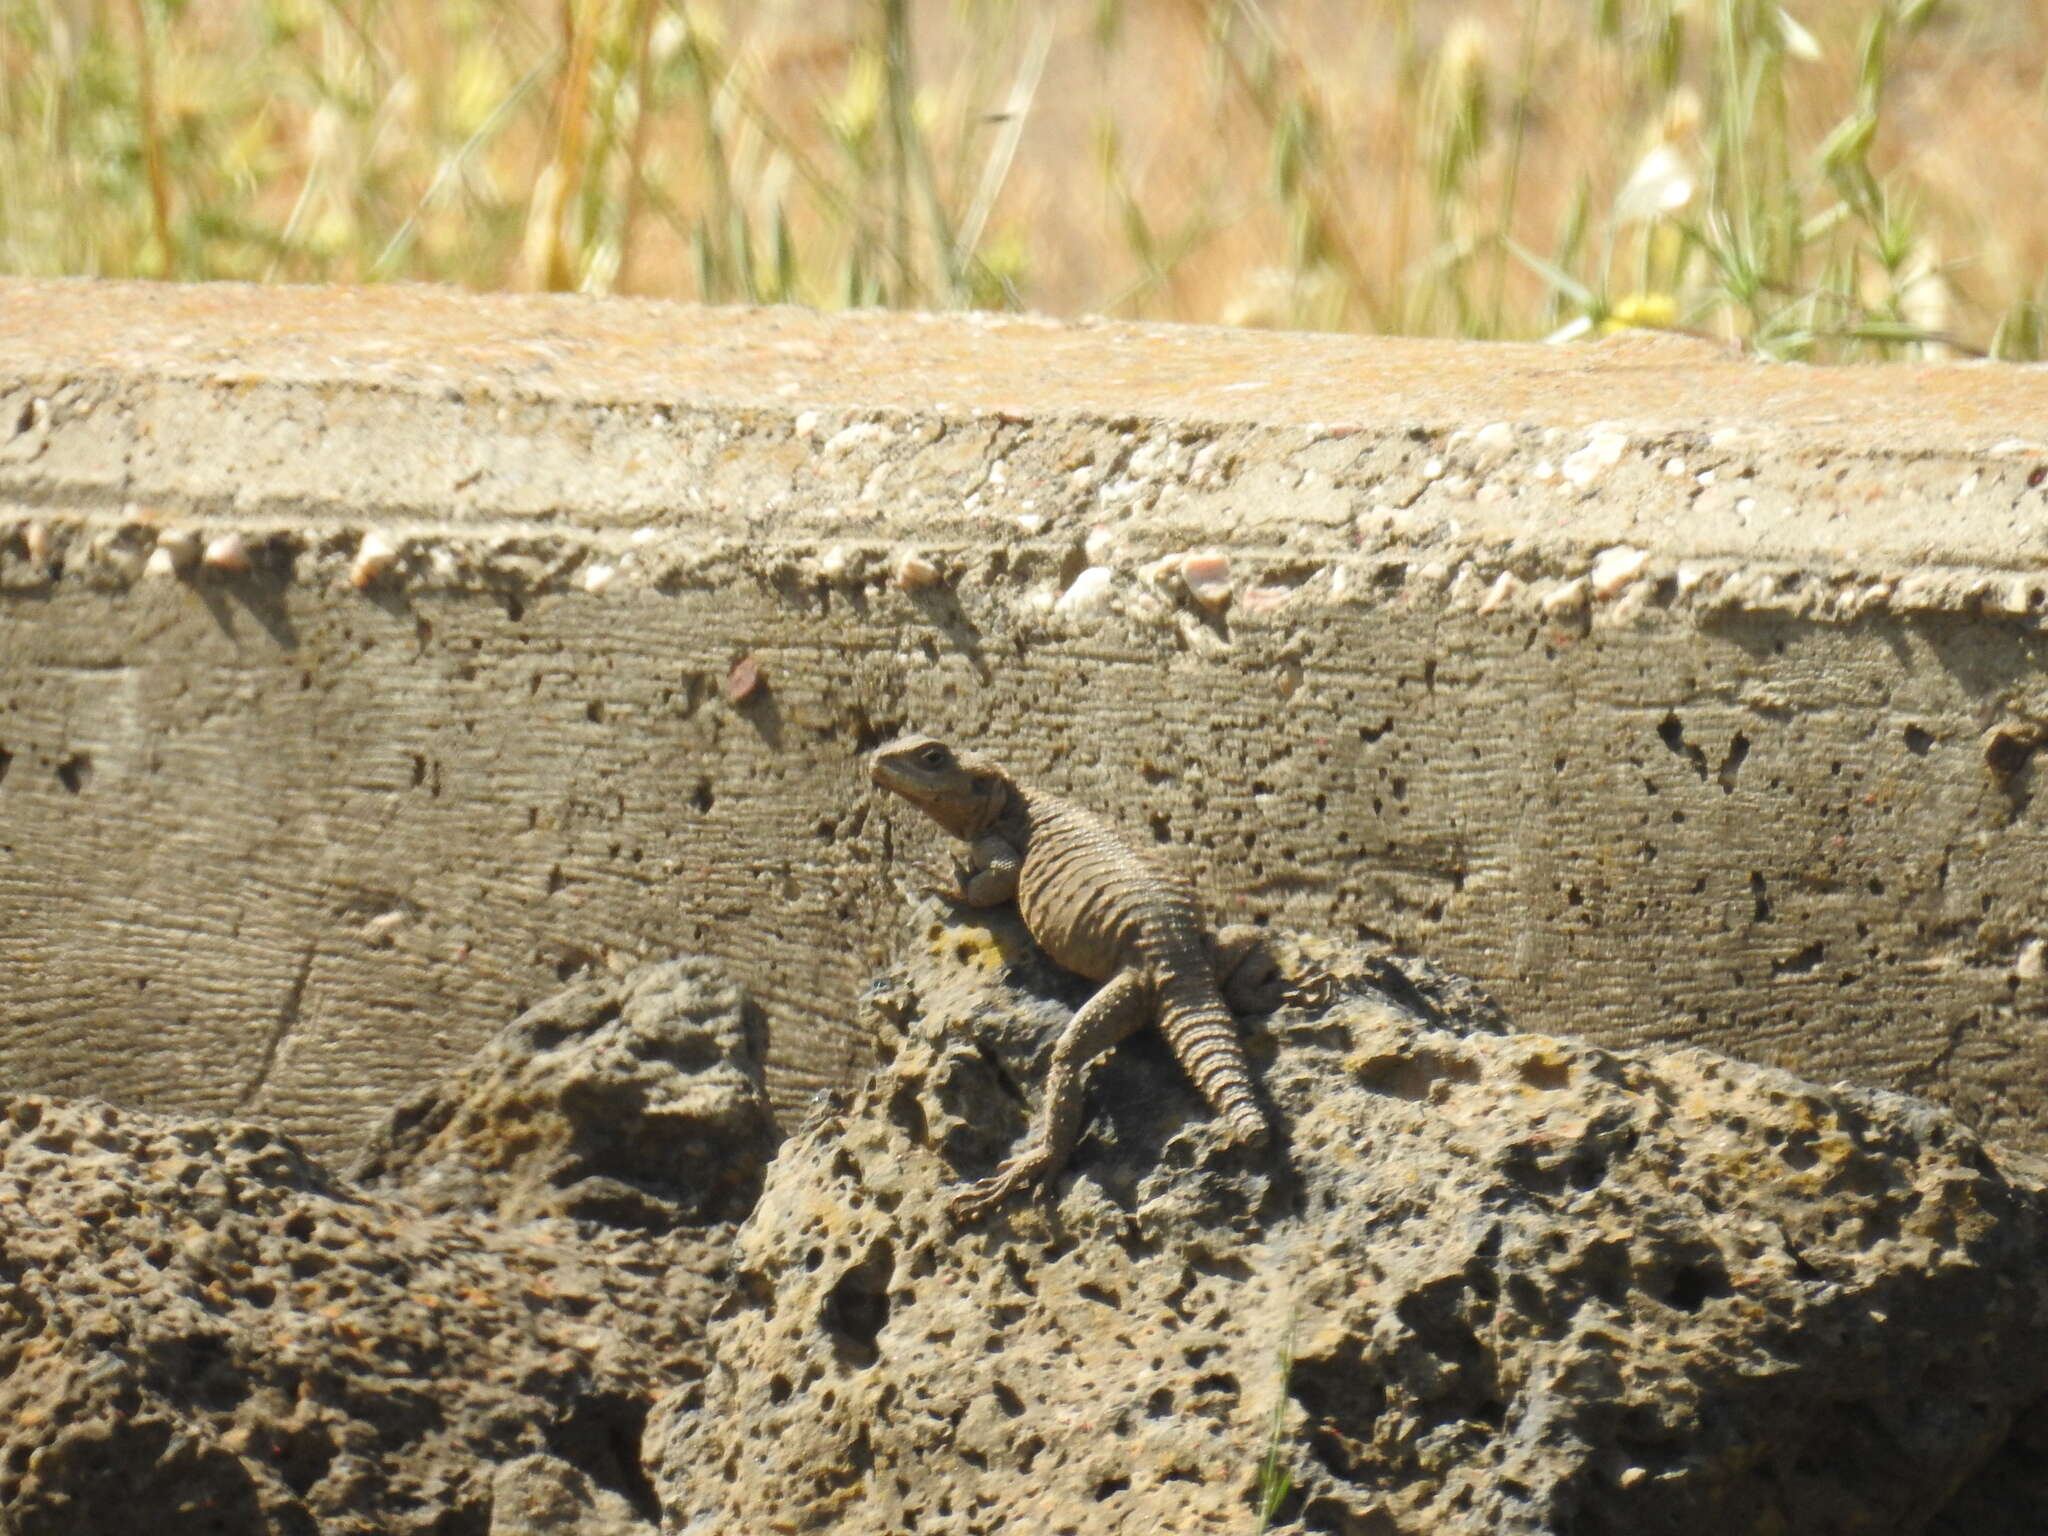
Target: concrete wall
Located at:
point(1673, 696)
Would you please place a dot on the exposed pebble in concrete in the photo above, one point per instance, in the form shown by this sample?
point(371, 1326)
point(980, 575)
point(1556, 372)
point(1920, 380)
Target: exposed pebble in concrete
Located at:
point(744, 680)
point(597, 577)
point(35, 540)
point(228, 553)
point(1493, 441)
point(914, 573)
point(1615, 568)
point(1602, 452)
point(1207, 578)
point(1503, 591)
point(1089, 592)
point(1567, 599)
point(179, 548)
point(374, 556)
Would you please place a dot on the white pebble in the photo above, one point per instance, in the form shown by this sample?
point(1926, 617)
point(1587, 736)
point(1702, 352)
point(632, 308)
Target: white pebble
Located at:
point(1097, 546)
point(1031, 522)
point(1602, 452)
point(835, 562)
point(1675, 467)
point(1615, 568)
point(179, 548)
point(374, 556)
point(1207, 578)
point(226, 552)
point(35, 538)
point(914, 573)
point(859, 435)
point(1503, 591)
point(1569, 598)
point(1088, 593)
point(1494, 439)
point(597, 577)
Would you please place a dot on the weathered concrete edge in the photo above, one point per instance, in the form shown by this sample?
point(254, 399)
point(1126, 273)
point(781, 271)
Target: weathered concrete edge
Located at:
point(1519, 521)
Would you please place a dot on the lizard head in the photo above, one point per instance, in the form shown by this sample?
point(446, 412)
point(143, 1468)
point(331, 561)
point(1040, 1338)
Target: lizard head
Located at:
point(959, 791)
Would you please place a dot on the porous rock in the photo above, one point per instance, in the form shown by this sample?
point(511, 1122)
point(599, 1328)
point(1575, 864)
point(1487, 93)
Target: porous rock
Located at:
point(635, 1101)
point(201, 1328)
point(1482, 1282)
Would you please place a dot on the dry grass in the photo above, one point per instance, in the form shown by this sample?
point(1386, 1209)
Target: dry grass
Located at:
point(1861, 181)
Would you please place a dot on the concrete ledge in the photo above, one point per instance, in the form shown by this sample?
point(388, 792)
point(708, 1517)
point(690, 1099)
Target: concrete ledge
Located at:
point(371, 660)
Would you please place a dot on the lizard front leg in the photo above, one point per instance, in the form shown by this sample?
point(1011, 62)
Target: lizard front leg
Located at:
point(988, 878)
point(995, 865)
point(1122, 1006)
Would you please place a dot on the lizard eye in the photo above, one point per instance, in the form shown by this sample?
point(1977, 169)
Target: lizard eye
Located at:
point(933, 757)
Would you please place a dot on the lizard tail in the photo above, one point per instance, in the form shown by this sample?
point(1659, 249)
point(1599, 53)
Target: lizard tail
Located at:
point(1204, 1036)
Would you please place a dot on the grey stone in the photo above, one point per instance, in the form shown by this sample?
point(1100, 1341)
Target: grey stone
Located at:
point(1485, 1282)
point(635, 1101)
point(201, 1328)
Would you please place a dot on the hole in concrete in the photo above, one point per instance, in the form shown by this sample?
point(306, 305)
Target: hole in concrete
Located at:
point(74, 773)
point(1918, 741)
point(1731, 765)
point(1671, 732)
point(6, 759)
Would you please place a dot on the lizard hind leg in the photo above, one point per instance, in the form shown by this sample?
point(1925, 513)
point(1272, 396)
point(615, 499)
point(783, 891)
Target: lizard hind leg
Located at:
point(1120, 1008)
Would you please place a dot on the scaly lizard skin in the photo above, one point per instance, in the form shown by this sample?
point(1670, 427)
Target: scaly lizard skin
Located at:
point(1102, 907)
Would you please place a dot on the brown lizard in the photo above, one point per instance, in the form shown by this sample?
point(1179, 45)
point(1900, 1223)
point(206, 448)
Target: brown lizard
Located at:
point(1107, 909)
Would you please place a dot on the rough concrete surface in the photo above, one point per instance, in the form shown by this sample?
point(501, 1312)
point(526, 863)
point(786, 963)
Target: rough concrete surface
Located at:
point(201, 1329)
point(1484, 1283)
point(371, 662)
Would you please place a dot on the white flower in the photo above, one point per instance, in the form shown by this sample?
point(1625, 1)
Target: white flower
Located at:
point(1799, 42)
point(1662, 183)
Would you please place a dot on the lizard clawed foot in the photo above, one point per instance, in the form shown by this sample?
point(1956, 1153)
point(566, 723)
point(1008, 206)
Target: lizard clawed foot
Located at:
point(984, 1195)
